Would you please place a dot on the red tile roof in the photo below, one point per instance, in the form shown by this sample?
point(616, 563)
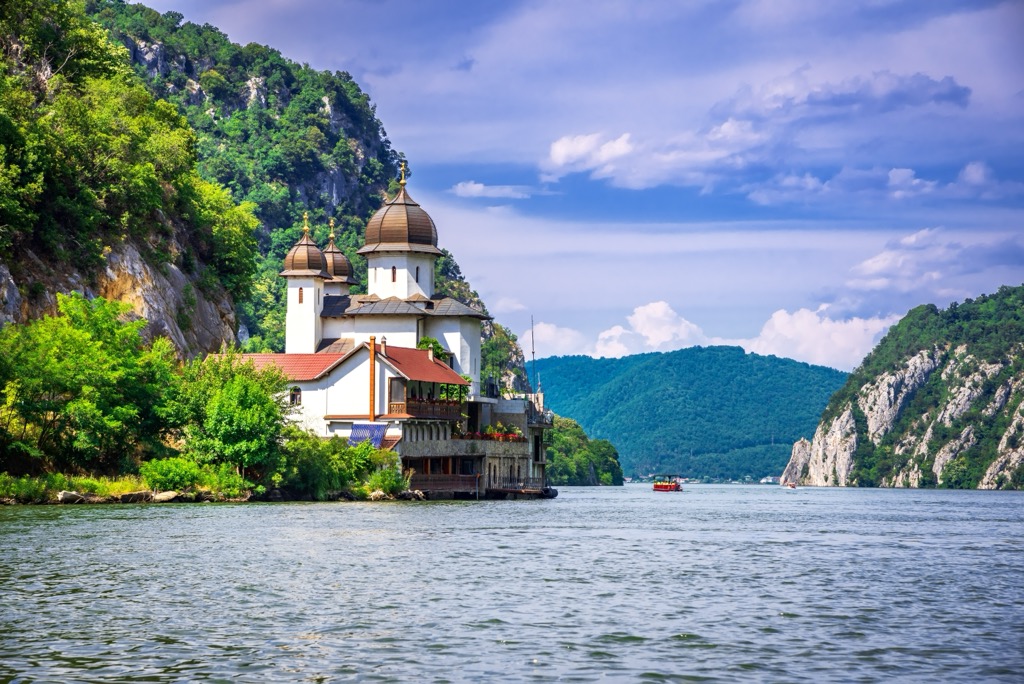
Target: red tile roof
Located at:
point(415, 364)
point(297, 367)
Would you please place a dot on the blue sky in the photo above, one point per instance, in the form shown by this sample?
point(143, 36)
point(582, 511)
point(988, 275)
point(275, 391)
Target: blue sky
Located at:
point(786, 175)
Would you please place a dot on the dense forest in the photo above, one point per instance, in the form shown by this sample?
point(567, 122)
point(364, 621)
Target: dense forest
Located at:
point(713, 412)
point(936, 403)
point(575, 459)
point(89, 159)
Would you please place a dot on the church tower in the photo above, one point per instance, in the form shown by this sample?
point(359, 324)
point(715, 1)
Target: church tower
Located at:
point(306, 272)
point(400, 249)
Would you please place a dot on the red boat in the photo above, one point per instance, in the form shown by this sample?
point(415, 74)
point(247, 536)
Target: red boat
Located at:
point(667, 486)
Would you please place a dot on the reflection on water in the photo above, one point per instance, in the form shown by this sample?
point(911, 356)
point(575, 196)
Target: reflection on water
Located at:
point(715, 583)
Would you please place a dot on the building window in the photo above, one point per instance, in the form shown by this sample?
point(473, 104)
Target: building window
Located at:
point(417, 274)
point(300, 295)
point(295, 397)
point(394, 274)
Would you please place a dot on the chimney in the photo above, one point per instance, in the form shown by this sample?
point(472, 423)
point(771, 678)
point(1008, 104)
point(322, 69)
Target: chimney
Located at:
point(383, 346)
point(373, 372)
point(430, 354)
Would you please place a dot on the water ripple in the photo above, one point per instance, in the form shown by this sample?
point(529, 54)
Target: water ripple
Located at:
point(715, 584)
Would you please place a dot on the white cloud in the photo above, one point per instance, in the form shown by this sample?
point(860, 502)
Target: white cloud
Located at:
point(905, 183)
point(661, 327)
point(804, 335)
point(814, 337)
point(508, 305)
point(552, 340)
point(585, 153)
point(474, 189)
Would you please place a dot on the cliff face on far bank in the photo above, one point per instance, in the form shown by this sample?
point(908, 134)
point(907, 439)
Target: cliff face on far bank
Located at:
point(937, 403)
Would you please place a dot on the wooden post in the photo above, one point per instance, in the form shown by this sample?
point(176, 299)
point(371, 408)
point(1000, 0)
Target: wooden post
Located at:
point(373, 360)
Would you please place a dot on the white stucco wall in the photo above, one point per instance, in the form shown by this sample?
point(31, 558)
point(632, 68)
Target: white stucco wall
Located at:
point(303, 325)
point(379, 274)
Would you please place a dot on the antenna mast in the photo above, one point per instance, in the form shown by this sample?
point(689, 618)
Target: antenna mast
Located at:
point(533, 354)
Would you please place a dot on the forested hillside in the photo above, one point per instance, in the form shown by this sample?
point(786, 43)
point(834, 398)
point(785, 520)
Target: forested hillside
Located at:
point(702, 412)
point(938, 402)
point(99, 188)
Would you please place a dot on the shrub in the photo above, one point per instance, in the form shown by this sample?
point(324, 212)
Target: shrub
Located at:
point(388, 480)
point(226, 481)
point(177, 474)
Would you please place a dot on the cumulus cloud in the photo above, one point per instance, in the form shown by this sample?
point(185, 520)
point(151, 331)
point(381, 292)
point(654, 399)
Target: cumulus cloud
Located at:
point(590, 152)
point(806, 335)
point(474, 189)
point(552, 340)
point(814, 337)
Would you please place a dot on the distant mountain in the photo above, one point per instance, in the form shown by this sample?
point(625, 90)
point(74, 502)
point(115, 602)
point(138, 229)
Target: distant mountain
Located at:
point(939, 402)
point(714, 412)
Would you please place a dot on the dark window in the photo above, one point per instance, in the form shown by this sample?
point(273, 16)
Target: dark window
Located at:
point(394, 274)
point(295, 397)
point(417, 274)
point(300, 295)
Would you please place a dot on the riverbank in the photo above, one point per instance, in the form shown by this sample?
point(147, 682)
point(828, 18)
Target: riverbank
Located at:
point(59, 489)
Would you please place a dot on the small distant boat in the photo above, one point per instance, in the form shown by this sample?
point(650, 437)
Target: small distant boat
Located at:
point(667, 485)
point(791, 485)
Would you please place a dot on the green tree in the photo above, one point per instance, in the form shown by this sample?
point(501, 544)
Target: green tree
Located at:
point(82, 390)
point(230, 412)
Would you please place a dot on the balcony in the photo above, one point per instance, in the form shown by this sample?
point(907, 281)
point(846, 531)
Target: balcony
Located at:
point(421, 408)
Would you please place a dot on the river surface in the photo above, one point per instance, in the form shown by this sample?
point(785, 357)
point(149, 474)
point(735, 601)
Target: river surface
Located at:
point(715, 583)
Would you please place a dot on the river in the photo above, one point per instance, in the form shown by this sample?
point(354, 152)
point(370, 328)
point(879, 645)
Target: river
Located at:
point(715, 583)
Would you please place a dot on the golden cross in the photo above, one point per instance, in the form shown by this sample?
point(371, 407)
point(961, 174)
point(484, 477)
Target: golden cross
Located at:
point(332, 227)
point(403, 174)
point(305, 222)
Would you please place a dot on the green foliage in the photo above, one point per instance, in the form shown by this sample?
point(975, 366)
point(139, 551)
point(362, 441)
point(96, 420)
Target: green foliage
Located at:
point(233, 413)
point(171, 474)
point(45, 488)
point(575, 459)
point(89, 159)
point(500, 356)
point(388, 476)
point(440, 353)
point(317, 466)
point(61, 412)
point(715, 411)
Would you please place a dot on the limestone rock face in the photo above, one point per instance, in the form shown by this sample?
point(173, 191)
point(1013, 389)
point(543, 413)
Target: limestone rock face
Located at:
point(174, 307)
point(967, 399)
point(170, 301)
point(882, 400)
point(827, 460)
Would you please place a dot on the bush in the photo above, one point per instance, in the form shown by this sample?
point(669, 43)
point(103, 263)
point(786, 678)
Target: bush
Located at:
point(177, 474)
point(388, 480)
point(226, 481)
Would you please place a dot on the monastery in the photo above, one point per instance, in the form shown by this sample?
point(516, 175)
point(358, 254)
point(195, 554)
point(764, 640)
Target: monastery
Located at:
point(354, 368)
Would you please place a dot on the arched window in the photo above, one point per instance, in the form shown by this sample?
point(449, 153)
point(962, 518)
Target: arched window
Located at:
point(300, 295)
point(394, 274)
point(295, 397)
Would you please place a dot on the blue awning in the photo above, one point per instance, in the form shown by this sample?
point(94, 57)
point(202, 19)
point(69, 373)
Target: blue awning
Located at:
point(372, 432)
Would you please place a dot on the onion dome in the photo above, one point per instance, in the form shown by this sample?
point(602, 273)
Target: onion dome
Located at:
point(338, 265)
point(305, 258)
point(401, 226)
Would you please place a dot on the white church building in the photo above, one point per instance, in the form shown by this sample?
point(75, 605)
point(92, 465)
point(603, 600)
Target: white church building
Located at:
point(354, 368)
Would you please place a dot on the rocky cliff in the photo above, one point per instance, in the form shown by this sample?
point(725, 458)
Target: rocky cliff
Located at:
point(197, 318)
point(949, 415)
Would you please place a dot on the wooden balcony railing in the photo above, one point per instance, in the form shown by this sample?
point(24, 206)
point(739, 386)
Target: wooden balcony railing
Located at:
point(419, 408)
point(451, 483)
point(517, 484)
